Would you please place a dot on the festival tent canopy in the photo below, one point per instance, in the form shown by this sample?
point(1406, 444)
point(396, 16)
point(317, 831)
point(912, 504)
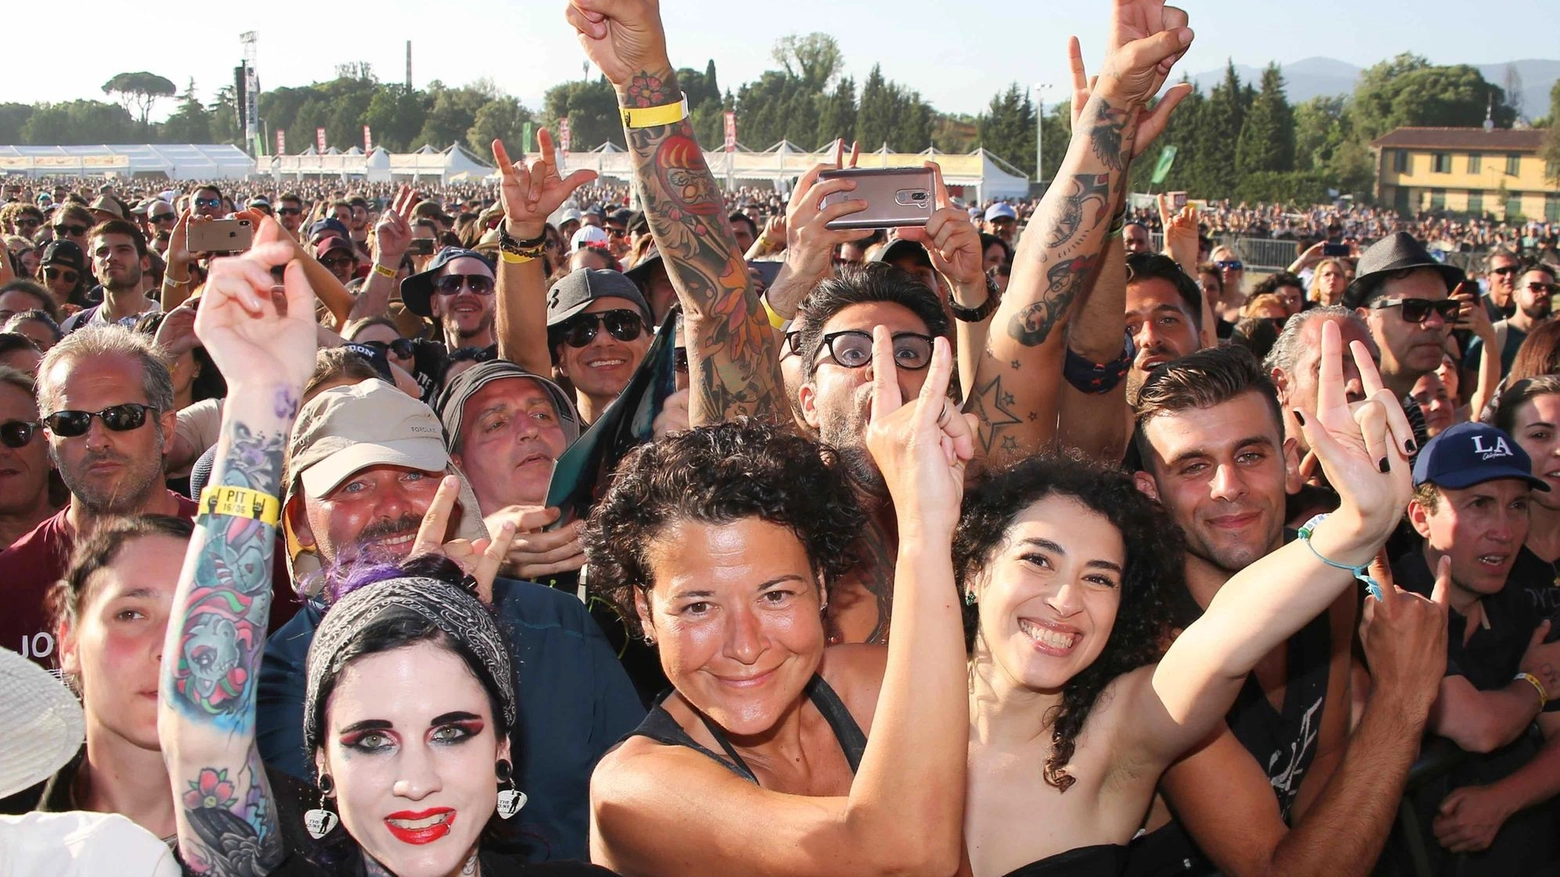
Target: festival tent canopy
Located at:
point(453, 164)
point(188, 161)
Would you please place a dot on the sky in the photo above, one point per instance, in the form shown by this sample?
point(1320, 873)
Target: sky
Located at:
point(525, 46)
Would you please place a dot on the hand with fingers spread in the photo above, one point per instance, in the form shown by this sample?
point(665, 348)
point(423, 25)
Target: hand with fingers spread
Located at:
point(953, 243)
point(393, 234)
point(253, 329)
point(531, 193)
point(537, 553)
point(1364, 452)
point(479, 559)
point(1404, 638)
point(921, 446)
point(1149, 124)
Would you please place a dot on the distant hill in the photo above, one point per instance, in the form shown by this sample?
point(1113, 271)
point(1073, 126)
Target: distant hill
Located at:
point(1325, 76)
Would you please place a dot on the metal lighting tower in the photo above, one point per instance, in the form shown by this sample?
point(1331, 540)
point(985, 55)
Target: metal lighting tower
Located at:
point(251, 95)
point(1040, 89)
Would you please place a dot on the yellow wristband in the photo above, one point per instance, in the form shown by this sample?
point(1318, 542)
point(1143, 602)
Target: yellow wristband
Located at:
point(514, 258)
point(654, 117)
point(383, 271)
point(1543, 696)
point(775, 319)
point(240, 502)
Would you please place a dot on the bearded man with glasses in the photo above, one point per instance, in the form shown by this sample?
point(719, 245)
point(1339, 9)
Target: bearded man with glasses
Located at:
point(106, 403)
point(1531, 308)
point(598, 328)
point(457, 293)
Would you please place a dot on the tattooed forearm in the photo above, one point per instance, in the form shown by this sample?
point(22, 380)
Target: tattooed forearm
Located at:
point(1111, 135)
point(1086, 189)
point(732, 350)
point(1032, 325)
point(233, 822)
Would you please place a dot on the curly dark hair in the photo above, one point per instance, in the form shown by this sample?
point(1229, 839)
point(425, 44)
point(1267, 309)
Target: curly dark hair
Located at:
point(1153, 591)
point(719, 474)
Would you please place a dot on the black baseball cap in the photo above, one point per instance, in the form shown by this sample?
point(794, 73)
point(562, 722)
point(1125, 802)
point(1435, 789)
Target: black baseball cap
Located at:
point(578, 289)
point(63, 252)
point(417, 290)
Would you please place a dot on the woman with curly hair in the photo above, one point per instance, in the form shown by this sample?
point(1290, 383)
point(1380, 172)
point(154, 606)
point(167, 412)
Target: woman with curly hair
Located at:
point(1072, 572)
point(723, 543)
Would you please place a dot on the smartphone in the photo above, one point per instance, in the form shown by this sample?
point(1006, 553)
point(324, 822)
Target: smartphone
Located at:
point(421, 246)
point(220, 236)
point(1334, 250)
point(895, 197)
point(768, 270)
point(1178, 200)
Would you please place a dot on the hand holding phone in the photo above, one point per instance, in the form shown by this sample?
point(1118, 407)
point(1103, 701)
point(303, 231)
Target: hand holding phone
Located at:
point(220, 236)
point(895, 197)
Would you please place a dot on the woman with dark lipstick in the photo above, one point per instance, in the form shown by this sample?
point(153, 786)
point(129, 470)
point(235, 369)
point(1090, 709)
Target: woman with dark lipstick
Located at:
point(410, 684)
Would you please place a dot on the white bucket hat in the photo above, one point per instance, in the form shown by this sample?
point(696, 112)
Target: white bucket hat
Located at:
point(41, 724)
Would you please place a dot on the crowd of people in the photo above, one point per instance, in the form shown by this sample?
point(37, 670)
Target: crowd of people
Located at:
point(549, 530)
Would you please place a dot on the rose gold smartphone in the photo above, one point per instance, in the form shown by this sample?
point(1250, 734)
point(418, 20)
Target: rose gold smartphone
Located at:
point(895, 197)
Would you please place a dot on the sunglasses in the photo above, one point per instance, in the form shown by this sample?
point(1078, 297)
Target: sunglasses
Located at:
point(624, 325)
point(165, 217)
point(450, 284)
point(1417, 310)
point(401, 348)
point(119, 418)
point(473, 354)
point(338, 262)
point(1542, 287)
point(208, 202)
point(1233, 265)
point(853, 349)
point(57, 274)
point(74, 231)
point(27, 222)
point(17, 433)
point(290, 211)
point(1507, 270)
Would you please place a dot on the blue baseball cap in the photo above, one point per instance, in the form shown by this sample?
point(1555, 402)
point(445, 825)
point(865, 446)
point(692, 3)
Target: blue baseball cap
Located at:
point(1001, 210)
point(329, 226)
point(1473, 453)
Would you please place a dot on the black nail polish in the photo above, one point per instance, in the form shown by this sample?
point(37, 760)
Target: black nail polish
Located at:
point(1299, 417)
point(1385, 466)
point(1409, 447)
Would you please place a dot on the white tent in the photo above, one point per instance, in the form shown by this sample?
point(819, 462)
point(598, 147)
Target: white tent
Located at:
point(189, 161)
point(427, 163)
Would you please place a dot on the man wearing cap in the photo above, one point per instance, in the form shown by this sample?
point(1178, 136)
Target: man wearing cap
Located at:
point(363, 464)
point(654, 283)
point(260, 204)
point(160, 217)
point(1472, 486)
point(911, 257)
point(1405, 297)
point(617, 229)
point(598, 327)
point(337, 254)
point(63, 270)
point(456, 291)
point(568, 221)
point(506, 428)
point(1001, 220)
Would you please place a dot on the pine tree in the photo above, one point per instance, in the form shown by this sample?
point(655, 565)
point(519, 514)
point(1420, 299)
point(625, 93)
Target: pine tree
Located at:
point(875, 112)
point(1267, 139)
point(837, 114)
point(1218, 133)
point(1007, 128)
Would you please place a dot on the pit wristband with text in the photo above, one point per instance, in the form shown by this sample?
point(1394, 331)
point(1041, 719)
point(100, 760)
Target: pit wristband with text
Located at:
point(655, 117)
point(239, 502)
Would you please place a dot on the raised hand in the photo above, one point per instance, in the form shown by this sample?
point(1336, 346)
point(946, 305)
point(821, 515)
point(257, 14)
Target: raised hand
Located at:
point(810, 244)
point(1150, 124)
point(1137, 21)
point(393, 234)
point(951, 240)
point(531, 194)
point(178, 255)
point(1404, 639)
point(1364, 452)
point(624, 39)
point(535, 552)
point(176, 333)
point(479, 559)
point(921, 448)
point(254, 329)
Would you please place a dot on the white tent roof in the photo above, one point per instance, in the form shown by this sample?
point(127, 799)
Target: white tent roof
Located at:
point(427, 162)
point(189, 161)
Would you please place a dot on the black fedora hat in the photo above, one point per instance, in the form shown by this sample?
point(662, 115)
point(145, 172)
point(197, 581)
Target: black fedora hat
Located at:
point(417, 290)
point(1398, 252)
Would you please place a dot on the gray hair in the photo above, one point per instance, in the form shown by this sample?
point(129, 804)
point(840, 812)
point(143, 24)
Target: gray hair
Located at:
point(96, 341)
point(1286, 350)
point(1497, 253)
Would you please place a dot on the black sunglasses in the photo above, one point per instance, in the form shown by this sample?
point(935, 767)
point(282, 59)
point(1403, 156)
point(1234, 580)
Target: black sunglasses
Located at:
point(1540, 286)
point(17, 433)
point(450, 284)
point(70, 230)
point(400, 347)
point(1417, 310)
point(119, 418)
point(624, 325)
point(165, 217)
point(473, 354)
point(27, 221)
point(339, 260)
point(289, 211)
point(59, 274)
point(853, 349)
point(1506, 270)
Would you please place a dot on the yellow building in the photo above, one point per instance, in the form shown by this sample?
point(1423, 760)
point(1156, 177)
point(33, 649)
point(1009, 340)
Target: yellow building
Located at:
point(1466, 170)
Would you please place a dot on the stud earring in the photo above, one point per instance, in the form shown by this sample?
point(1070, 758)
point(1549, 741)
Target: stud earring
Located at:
point(510, 799)
point(969, 598)
point(321, 821)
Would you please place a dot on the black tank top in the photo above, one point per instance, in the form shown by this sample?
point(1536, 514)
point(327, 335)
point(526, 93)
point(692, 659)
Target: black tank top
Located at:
point(1102, 860)
point(662, 728)
point(1283, 743)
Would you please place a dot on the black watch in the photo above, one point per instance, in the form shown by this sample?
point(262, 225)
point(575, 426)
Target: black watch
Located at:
point(977, 314)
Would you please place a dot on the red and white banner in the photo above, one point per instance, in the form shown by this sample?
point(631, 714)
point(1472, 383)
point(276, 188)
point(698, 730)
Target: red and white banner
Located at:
point(281, 142)
point(368, 139)
point(565, 138)
point(319, 139)
point(731, 131)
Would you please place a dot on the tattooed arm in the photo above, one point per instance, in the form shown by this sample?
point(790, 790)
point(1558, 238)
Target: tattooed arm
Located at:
point(1096, 423)
point(264, 341)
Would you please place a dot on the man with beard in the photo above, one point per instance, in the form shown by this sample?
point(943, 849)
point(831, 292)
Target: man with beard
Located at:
point(598, 327)
point(120, 261)
point(1531, 302)
point(365, 464)
point(1280, 788)
point(289, 212)
point(1164, 314)
point(106, 400)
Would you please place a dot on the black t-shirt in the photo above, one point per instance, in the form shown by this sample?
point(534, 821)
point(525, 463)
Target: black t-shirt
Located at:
point(1540, 580)
point(1492, 655)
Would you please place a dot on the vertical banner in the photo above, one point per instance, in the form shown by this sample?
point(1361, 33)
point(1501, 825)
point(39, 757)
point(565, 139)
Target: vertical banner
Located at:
point(281, 142)
point(565, 137)
point(525, 138)
point(319, 139)
point(368, 140)
point(731, 131)
point(1166, 161)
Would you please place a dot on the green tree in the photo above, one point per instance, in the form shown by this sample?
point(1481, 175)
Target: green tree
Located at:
point(1321, 126)
point(453, 112)
point(1551, 151)
point(78, 122)
point(1007, 128)
point(592, 109)
point(1216, 136)
point(1409, 91)
point(502, 119)
point(396, 115)
point(223, 124)
point(912, 130)
point(813, 60)
point(12, 118)
point(1180, 131)
point(191, 122)
point(1267, 139)
point(875, 112)
point(837, 113)
point(139, 91)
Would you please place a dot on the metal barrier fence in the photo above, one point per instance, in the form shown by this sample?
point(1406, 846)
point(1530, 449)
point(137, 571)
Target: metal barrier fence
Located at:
point(1261, 254)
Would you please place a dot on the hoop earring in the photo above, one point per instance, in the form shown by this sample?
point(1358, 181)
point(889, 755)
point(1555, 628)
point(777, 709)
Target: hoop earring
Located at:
point(510, 799)
point(321, 821)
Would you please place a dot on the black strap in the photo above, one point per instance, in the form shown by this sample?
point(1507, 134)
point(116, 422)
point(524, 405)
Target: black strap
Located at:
point(851, 738)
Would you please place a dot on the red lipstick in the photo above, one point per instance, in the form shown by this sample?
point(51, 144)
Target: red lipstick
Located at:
point(424, 832)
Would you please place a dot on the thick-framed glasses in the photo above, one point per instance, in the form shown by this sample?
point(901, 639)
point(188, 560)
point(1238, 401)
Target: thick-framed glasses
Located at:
point(289, 211)
point(450, 284)
point(624, 325)
point(61, 274)
point(17, 433)
point(118, 418)
point(793, 342)
point(852, 348)
point(1417, 310)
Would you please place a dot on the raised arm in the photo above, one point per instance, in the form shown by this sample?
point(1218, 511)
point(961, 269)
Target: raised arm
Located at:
point(1365, 453)
point(263, 340)
point(392, 235)
point(1016, 384)
point(529, 195)
point(1098, 423)
point(733, 355)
